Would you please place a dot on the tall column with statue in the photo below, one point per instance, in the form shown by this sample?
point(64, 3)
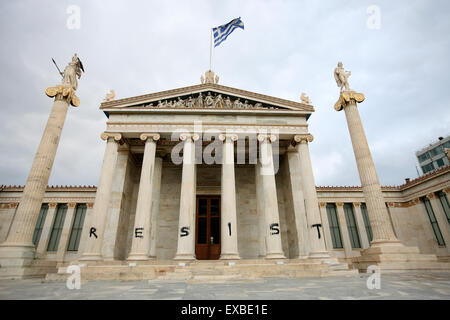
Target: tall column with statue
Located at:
point(385, 249)
point(18, 250)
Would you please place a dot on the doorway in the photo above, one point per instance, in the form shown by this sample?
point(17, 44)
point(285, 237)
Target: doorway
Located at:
point(207, 240)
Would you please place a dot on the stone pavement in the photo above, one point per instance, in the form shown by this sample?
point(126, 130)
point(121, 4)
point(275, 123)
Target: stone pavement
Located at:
point(393, 286)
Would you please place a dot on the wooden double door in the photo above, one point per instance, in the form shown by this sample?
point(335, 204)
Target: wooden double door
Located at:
point(207, 240)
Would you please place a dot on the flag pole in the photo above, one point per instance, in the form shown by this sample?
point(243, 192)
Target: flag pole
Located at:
point(210, 50)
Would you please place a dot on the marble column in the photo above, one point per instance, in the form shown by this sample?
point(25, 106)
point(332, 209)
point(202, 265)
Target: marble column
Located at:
point(46, 229)
point(344, 230)
point(18, 249)
point(140, 245)
point(295, 193)
point(440, 218)
point(260, 211)
point(94, 232)
point(112, 237)
point(325, 225)
point(229, 244)
point(155, 205)
point(317, 244)
point(361, 227)
point(65, 232)
point(186, 223)
point(274, 249)
point(382, 230)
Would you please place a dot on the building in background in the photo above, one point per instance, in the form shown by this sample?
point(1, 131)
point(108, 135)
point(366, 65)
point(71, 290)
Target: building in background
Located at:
point(433, 156)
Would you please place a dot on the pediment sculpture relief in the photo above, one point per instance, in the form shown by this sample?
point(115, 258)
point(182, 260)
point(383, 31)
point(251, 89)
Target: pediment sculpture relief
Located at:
point(208, 100)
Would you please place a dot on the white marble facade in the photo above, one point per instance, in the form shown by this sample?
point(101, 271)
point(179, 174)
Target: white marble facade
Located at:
point(153, 171)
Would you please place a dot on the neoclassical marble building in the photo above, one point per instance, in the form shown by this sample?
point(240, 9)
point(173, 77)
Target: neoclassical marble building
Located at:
point(214, 174)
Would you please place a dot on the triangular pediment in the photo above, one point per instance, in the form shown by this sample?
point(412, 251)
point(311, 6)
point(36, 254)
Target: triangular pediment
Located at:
point(207, 96)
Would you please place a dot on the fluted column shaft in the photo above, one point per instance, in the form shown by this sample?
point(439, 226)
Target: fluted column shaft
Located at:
point(315, 228)
point(93, 246)
point(274, 248)
point(186, 224)
point(140, 245)
point(156, 195)
point(362, 228)
point(378, 215)
point(22, 228)
point(229, 244)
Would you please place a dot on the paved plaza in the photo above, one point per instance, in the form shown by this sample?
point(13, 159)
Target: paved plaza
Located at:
point(435, 286)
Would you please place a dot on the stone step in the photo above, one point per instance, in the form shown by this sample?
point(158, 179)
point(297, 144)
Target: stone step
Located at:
point(397, 258)
point(400, 266)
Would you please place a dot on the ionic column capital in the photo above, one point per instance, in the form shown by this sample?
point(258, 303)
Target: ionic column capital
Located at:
point(322, 204)
point(357, 204)
point(446, 190)
point(52, 205)
point(267, 137)
point(190, 136)
point(430, 196)
point(71, 205)
point(90, 205)
point(146, 135)
point(339, 204)
point(347, 98)
point(228, 136)
point(390, 204)
point(106, 135)
point(302, 138)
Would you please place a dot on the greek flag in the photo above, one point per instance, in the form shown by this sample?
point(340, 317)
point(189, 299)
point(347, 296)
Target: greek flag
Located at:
point(222, 32)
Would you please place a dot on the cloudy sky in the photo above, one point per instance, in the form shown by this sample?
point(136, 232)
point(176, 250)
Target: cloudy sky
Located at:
point(400, 62)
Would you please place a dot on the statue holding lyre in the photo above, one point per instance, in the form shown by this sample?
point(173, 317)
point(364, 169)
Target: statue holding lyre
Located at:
point(341, 77)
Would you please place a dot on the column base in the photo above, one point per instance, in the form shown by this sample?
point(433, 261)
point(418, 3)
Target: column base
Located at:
point(184, 256)
point(319, 255)
point(91, 257)
point(15, 259)
point(275, 255)
point(394, 256)
point(139, 257)
point(230, 256)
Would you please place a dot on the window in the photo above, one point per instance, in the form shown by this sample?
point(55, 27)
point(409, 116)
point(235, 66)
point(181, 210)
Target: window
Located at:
point(428, 167)
point(334, 226)
point(366, 221)
point(423, 157)
point(445, 205)
point(40, 224)
point(57, 227)
point(435, 151)
point(434, 224)
point(77, 227)
point(440, 162)
point(351, 225)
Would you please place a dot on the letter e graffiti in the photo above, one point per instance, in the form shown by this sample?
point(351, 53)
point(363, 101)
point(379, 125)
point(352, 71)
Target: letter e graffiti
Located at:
point(74, 280)
point(138, 233)
point(374, 280)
